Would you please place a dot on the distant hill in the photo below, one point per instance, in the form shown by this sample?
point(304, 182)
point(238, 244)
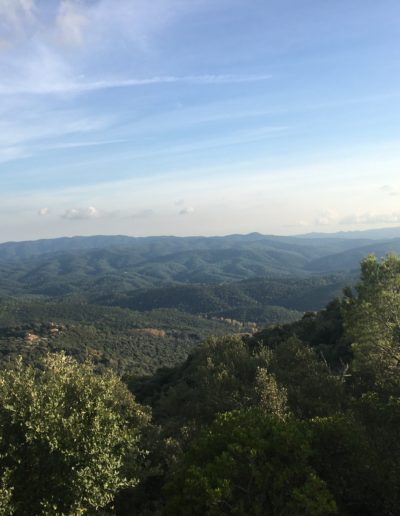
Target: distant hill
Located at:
point(108, 267)
point(349, 260)
point(146, 247)
point(371, 234)
point(249, 300)
point(137, 304)
point(107, 264)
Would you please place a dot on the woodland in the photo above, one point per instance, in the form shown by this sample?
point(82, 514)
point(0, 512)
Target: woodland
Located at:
point(172, 407)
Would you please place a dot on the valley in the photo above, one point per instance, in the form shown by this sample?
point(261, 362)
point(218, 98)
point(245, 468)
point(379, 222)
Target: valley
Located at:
point(139, 304)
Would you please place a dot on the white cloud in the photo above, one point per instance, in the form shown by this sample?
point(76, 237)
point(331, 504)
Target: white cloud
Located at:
point(11, 153)
point(371, 218)
point(140, 21)
point(43, 212)
point(14, 15)
point(325, 218)
point(70, 22)
point(186, 211)
point(81, 213)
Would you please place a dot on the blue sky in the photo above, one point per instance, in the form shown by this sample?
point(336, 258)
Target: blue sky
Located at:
point(196, 117)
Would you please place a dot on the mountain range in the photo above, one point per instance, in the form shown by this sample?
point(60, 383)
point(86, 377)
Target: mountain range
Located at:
point(141, 303)
point(110, 264)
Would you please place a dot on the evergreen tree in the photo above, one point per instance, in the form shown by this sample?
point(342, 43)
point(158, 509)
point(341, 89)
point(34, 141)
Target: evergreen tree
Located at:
point(66, 435)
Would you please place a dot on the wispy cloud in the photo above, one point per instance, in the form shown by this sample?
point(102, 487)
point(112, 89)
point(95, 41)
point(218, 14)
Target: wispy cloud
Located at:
point(14, 16)
point(386, 188)
point(70, 22)
point(371, 218)
point(12, 153)
point(390, 190)
point(329, 218)
point(186, 211)
point(42, 64)
point(25, 131)
point(63, 85)
point(36, 126)
point(75, 21)
point(81, 213)
point(325, 218)
point(77, 145)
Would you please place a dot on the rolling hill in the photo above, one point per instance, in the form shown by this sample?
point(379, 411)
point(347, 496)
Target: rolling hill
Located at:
point(117, 264)
point(138, 304)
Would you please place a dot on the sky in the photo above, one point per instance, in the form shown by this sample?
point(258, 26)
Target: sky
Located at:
point(198, 117)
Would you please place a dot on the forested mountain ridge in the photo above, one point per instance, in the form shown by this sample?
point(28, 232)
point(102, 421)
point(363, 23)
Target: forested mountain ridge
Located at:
point(108, 264)
point(349, 259)
point(179, 285)
point(301, 294)
point(373, 234)
point(187, 287)
point(159, 245)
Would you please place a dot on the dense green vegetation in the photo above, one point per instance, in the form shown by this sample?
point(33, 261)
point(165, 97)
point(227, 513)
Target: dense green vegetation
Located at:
point(299, 418)
point(247, 300)
point(330, 382)
point(125, 340)
point(100, 291)
point(70, 439)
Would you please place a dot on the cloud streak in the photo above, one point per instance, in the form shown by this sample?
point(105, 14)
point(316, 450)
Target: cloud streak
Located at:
point(61, 85)
point(55, 56)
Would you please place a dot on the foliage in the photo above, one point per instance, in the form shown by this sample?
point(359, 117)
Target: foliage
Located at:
point(248, 463)
point(266, 300)
point(66, 435)
point(224, 374)
point(322, 331)
point(108, 336)
point(357, 454)
point(342, 457)
point(312, 388)
point(372, 319)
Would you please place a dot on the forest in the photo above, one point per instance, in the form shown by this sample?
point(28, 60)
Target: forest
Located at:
point(298, 418)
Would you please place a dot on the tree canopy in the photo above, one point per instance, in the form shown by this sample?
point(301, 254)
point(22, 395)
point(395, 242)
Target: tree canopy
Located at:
point(372, 320)
point(65, 436)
